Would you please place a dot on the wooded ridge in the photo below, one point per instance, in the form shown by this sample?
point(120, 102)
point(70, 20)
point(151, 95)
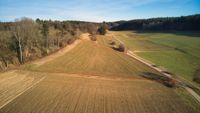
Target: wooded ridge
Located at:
point(183, 23)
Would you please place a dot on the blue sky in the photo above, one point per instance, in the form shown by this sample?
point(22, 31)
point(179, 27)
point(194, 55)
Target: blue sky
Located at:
point(96, 10)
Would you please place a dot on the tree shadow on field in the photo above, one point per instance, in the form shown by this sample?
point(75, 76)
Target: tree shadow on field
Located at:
point(180, 50)
point(166, 81)
point(115, 48)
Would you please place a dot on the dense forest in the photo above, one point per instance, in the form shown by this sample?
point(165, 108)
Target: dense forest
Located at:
point(25, 39)
point(183, 23)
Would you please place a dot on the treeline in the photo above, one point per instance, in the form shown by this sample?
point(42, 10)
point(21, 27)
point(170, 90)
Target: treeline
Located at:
point(26, 39)
point(183, 23)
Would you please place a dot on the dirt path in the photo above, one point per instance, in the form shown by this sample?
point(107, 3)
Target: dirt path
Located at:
point(61, 52)
point(193, 93)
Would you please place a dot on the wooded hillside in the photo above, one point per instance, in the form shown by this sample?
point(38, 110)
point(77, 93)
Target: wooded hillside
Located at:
point(183, 23)
point(26, 39)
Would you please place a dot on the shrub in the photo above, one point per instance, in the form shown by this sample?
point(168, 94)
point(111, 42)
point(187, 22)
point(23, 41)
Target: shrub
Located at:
point(61, 44)
point(45, 51)
point(121, 47)
point(34, 53)
point(170, 83)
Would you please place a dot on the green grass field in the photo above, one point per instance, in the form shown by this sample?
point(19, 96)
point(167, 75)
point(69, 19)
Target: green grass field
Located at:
point(177, 52)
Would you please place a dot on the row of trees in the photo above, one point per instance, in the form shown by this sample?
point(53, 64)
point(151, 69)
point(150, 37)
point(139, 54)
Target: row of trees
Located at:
point(184, 23)
point(26, 39)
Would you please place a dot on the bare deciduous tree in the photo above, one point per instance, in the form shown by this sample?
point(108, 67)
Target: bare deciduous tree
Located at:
point(25, 33)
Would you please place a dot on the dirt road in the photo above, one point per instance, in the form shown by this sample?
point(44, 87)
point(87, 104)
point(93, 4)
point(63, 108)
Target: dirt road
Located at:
point(194, 94)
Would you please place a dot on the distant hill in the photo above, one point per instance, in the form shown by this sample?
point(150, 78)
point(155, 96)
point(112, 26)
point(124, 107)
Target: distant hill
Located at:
point(183, 23)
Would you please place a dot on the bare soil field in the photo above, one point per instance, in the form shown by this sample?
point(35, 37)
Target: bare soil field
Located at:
point(63, 93)
point(14, 83)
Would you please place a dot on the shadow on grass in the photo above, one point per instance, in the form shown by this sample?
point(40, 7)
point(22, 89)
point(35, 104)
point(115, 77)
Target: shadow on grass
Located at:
point(166, 81)
point(180, 50)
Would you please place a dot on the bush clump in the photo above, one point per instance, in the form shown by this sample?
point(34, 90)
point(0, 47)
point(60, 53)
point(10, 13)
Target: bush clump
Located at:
point(121, 47)
point(170, 83)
